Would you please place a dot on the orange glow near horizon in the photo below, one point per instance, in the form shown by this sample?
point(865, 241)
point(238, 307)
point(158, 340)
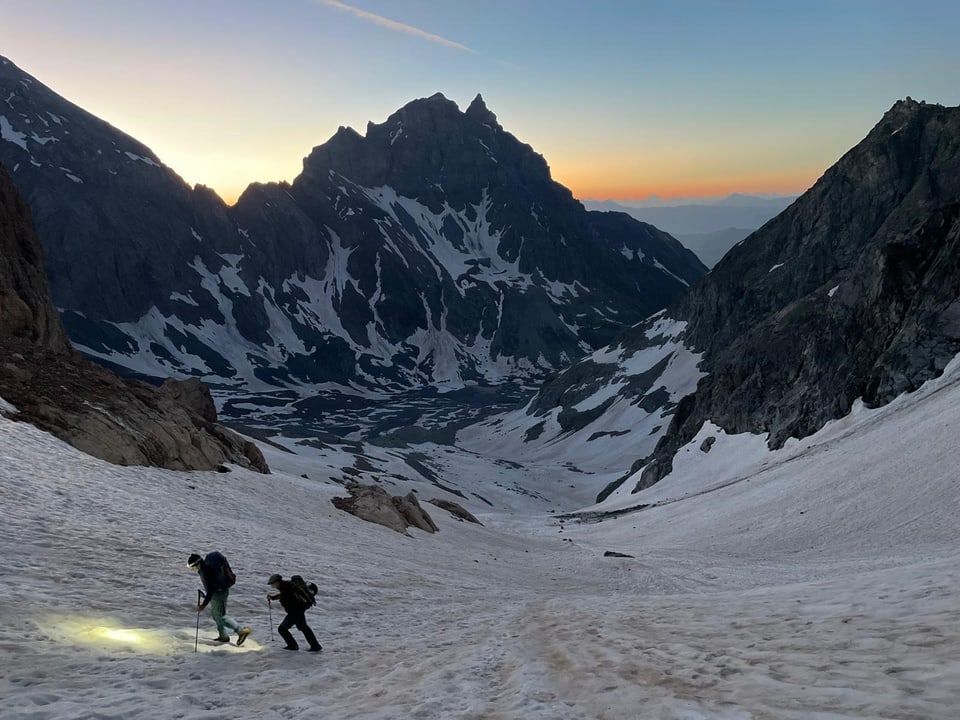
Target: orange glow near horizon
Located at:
point(618, 185)
point(593, 189)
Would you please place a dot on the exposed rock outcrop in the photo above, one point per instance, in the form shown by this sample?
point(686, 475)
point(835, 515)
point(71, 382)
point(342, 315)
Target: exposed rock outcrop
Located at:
point(25, 308)
point(411, 511)
point(455, 509)
point(123, 421)
point(193, 395)
point(374, 504)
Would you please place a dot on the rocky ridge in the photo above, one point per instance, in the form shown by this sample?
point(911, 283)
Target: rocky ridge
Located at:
point(434, 250)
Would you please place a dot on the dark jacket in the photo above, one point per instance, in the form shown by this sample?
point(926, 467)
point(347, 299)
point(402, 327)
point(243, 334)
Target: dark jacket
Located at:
point(287, 595)
point(215, 574)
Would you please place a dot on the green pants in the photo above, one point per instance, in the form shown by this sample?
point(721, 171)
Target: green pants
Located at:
point(218, 611)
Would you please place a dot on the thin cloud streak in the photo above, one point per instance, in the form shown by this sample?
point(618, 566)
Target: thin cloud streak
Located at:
point(394, 25)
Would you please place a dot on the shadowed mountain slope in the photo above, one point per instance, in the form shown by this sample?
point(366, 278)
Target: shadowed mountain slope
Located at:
point(434, 250)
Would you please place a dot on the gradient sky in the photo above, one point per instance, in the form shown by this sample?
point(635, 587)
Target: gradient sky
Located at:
point(624, 98)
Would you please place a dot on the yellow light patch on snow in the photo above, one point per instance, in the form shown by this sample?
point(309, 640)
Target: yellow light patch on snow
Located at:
point(106, 634)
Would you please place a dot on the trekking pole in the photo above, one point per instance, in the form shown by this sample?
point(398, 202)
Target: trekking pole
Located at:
point(196, 640)
point(270, 610)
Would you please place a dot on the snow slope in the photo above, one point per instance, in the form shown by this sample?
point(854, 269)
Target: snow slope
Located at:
point(818, 582)
point(623, 427)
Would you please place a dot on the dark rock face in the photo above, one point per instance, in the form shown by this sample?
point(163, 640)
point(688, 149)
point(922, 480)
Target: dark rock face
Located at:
point(852, 292)
point(122, 421)
point(25, 308)
point(116, 224)
point(435, 249)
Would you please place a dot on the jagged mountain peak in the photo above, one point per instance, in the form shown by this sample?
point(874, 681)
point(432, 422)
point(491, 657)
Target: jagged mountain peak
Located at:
point(426, 112)
point(437, 98)
point(434, 249)
point(430, 138)
point(908, 106)
point(478, 110)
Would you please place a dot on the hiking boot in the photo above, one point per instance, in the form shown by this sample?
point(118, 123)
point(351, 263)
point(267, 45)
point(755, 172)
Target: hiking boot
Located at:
point(316, 648)
point(291, 647)
point(221, 639)
point(243, 635)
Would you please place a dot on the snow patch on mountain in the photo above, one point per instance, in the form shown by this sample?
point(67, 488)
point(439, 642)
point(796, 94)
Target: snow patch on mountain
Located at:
point(625, 426)
point(43, 140)
point(141, 158)
point(8, 133)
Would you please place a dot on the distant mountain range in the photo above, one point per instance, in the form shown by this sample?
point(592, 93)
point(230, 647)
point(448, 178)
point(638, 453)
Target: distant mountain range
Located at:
point(436, 253)
point(708, 227)
point(435, 250)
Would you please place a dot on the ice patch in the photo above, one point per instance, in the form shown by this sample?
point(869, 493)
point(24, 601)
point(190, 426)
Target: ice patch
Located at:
point(10, 135)
point(230, 274)
point(663, 268)
point(184, 299)
point(141, 158)
point(43, 140)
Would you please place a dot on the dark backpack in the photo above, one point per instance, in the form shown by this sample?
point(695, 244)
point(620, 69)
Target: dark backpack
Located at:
point(228, 575)
point(220, 569)
point(300, 593)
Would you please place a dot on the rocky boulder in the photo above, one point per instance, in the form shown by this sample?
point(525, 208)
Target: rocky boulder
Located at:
point(122, 421)
point(374, 504)
point(455, 509)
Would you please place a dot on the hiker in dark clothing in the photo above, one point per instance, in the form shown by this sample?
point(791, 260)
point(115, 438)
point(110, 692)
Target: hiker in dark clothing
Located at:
point(292, 597)
point(217, 578)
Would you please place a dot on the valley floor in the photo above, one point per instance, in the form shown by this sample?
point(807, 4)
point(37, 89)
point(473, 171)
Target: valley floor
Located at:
point(732, 606)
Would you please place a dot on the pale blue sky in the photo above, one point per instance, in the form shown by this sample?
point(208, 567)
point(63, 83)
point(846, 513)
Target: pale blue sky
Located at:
point(623, 98)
